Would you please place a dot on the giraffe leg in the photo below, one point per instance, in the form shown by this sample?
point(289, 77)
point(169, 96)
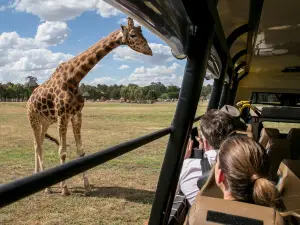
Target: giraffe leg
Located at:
point(44, 129)
point(36, 127)
point(76, 123)
point(62, 130)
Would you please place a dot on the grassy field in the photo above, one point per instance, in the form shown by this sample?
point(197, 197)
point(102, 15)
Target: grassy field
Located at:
point(122, 189)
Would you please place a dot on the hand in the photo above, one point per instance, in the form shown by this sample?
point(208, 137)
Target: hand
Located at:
point(189, 149)
point(201, 145)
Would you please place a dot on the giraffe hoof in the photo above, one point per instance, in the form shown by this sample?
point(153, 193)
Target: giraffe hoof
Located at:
point(65, 192)
point(48, 191)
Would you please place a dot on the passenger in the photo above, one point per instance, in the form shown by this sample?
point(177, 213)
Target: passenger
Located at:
point(215, 126)
point(241, 173)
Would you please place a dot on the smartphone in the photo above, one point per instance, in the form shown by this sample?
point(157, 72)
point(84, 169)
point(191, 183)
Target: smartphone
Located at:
point(194, 134)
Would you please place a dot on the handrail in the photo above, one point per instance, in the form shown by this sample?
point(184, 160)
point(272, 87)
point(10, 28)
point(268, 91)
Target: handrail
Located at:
point(26, 186)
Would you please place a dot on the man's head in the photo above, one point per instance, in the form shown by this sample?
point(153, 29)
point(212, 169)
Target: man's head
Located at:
point(215, 126)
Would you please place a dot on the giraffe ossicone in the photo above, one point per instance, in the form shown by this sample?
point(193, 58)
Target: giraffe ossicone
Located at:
point(58, 100)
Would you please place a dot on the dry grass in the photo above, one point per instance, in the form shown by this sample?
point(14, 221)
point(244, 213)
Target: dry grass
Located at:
point(123, 188)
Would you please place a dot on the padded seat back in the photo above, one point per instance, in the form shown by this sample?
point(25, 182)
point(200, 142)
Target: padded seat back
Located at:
point(279, 149)
point(266, 134)
point(207, 210)
point(289, 171)
point(294, 139)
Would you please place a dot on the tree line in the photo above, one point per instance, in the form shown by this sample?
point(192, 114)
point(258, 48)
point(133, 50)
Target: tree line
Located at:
point(131, 92)
point(135, 93)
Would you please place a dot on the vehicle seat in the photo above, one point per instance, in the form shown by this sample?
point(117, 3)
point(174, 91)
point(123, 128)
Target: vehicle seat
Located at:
point(266, 134)
point(207, 210)
point(279, 149)
point(289, 172)
point(294, 139)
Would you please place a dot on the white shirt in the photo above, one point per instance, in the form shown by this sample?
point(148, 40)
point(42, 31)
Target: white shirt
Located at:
point(190, 173)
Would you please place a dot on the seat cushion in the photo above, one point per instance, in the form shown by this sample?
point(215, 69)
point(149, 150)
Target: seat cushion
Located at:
point(207, 210)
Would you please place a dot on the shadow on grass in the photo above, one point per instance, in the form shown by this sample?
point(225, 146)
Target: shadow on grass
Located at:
point(130, 194)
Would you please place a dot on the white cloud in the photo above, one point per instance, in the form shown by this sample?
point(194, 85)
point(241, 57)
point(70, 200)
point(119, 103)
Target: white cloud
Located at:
point(21, 57)
point(161, 54)
point(106, 10)
point(2, 8)
point(13, 40)
point(103, 80)
point(52, 33)
point(144, 76)
point(123, 67)
point(58, 10)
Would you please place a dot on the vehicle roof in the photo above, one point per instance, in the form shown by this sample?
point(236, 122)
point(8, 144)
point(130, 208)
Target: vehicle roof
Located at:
point(268, 32)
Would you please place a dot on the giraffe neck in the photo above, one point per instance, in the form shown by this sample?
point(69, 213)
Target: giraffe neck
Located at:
point(84, 62)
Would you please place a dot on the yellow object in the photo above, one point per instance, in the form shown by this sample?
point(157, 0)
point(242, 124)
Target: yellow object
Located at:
point(241, 105)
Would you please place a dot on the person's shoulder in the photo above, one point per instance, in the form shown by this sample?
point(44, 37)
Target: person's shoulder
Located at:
point(191, 162)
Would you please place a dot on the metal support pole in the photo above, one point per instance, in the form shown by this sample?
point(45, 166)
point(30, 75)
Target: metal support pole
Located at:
point(233, 90)
point(224, 95)
point(198, 52)
point(225, 90)
point(217, 88)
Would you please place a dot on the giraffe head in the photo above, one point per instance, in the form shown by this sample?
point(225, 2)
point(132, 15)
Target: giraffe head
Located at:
point(133, 37)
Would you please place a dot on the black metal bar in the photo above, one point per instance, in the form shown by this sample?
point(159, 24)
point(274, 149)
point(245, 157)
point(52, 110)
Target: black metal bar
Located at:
point(225, 90)
point(224, 95)
point(235, 34)
point(200, 44)
point(241, 65)
point(197, 119)
point(220, 41)
point(233, 90)
point(238, 55)
point(21, 188)
point(243, 76)
point(217, 89)
point(253, 24)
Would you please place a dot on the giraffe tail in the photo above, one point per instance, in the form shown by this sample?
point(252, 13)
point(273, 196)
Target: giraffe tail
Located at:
point(52, 139)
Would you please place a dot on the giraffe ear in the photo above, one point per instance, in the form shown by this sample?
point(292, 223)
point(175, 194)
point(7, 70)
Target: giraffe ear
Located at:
point(139, 28)
point(130, 23)
point(125, 33)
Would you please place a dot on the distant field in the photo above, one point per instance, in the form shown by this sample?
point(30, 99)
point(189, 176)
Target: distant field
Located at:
point(123, 188)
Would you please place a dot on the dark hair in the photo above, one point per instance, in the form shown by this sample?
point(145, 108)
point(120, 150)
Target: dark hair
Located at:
point(246, 165)
point(215, 126)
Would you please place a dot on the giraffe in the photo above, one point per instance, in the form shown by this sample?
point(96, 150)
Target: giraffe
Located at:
point(58, 100)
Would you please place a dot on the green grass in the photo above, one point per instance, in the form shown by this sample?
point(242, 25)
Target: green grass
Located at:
point(123, 188)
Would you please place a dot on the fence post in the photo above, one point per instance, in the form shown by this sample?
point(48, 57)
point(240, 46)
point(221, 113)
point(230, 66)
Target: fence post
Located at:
point(200, 44)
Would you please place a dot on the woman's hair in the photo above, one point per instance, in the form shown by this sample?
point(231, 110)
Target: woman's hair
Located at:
point(245, 165)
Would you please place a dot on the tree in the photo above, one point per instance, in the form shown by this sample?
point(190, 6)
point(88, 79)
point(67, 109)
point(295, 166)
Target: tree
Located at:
point(139, 94)
point(131, 90)
point(124, 93)
point(173, 95)
point(164, 96)
point(151, 95)
point(173, 88)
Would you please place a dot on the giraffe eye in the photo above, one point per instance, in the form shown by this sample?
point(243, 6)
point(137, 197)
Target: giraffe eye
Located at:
point(133, 35)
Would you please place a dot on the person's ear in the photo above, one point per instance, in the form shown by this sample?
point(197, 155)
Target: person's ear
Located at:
point(220, 176)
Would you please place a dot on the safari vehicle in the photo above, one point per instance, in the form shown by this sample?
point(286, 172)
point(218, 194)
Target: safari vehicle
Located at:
point(250, 48)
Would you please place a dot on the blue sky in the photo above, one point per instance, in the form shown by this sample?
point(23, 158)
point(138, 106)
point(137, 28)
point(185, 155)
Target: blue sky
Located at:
point(35, 36)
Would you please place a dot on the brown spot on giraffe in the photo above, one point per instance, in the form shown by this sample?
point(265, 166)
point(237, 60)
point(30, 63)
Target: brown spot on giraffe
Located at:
point(58, 99)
